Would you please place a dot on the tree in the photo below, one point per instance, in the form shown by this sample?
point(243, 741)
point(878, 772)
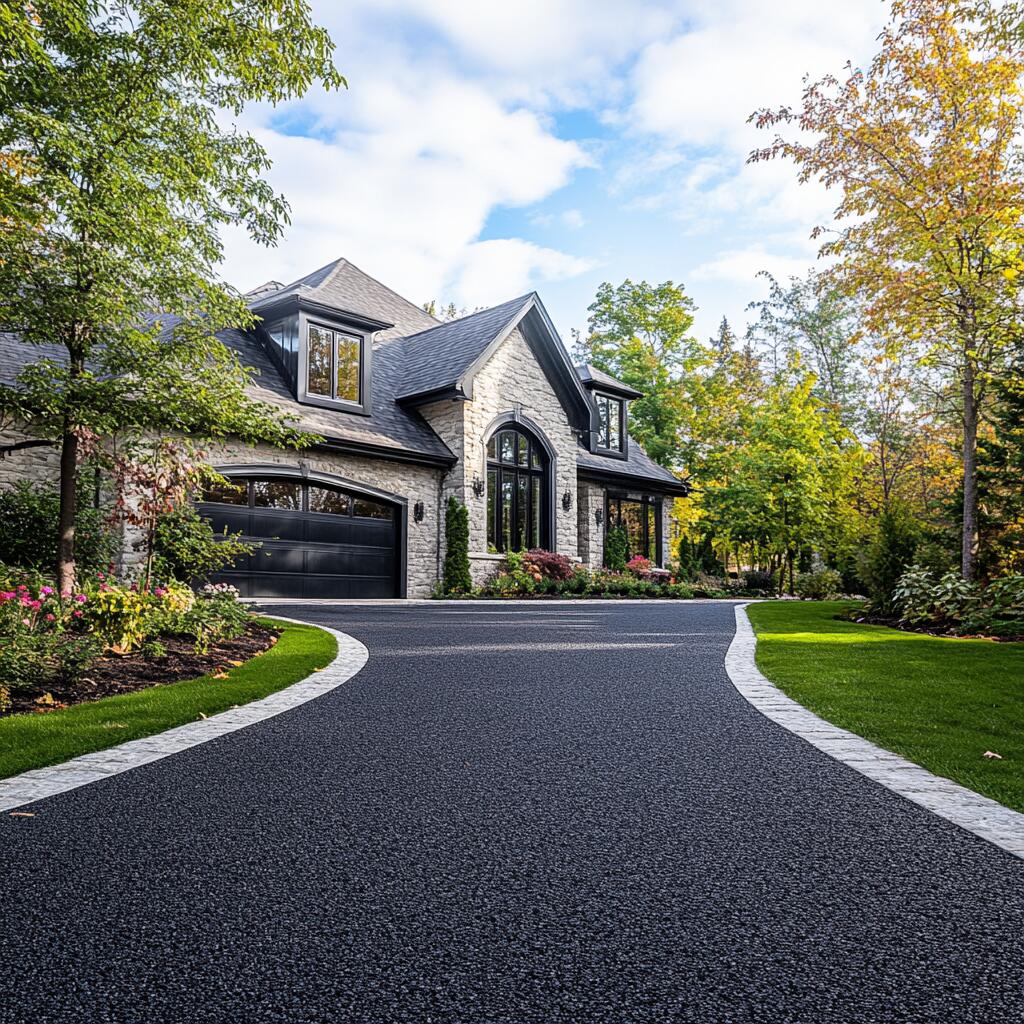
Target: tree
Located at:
point(924, 146)
point(456, 577)
point(113, 116)
point(639, 333)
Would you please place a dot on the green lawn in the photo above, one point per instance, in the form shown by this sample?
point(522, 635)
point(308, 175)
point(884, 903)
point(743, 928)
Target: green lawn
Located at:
point(33, 741)
point(937, 701)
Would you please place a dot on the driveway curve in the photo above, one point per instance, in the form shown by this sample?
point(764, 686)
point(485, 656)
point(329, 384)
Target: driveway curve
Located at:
point(550, 813)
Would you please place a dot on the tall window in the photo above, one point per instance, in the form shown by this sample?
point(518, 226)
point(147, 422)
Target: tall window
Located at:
point(332, 364)
point(611, 422)
point(640, 518)
point(517, 492)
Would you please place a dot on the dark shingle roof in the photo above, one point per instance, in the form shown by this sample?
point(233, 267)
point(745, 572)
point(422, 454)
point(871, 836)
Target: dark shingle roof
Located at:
point(639, 464)
point(439, 356)
point(590, 374)
point(345, 287)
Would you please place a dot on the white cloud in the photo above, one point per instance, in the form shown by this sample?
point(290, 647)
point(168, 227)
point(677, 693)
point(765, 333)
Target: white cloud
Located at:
point(402, 180)
point(501, 268)
point(741, 266)
point(573, 219)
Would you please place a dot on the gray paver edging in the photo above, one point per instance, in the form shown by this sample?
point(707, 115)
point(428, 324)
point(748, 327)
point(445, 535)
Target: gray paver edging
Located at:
point(971, 811)
point(80, 771)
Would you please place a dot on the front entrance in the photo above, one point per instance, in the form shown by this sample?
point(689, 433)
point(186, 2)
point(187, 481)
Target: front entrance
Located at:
point(317, 541)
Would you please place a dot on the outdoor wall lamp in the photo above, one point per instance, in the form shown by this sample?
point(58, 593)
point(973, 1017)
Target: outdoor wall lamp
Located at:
point(599, 516)
point(478, 487)
point(567, 501)
point(417, 512)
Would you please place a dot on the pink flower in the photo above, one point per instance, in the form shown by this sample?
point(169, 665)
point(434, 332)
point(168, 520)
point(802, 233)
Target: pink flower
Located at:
point(50, 617)
point(77, 613)
point(21, 586)
point(100, 576)
point(26, 622)
point(35, 605)
point(159, 592)
point(46, 590)
point(81, 598)
point(7, 595)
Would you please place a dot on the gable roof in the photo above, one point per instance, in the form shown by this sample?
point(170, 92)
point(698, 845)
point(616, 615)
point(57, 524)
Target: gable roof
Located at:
point(343, 286)
point(592, 376)
point(442, 356)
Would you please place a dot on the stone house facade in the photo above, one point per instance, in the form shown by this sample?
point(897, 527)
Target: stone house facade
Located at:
point(410, 412)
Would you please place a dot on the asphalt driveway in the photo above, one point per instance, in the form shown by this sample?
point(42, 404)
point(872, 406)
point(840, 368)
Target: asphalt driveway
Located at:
point(513, 814)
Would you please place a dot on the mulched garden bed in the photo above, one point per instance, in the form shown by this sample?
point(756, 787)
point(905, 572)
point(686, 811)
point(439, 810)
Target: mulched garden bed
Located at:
point(880, 620)
point(113, 674)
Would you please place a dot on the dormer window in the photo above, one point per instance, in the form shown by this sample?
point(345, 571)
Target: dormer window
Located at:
point(333, 363)
point(611, 414)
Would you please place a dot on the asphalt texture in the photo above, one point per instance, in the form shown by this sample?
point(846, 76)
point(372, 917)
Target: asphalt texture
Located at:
point(512, 814)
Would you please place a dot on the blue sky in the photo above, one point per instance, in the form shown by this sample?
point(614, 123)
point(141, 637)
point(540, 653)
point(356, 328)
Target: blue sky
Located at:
point(483, 150)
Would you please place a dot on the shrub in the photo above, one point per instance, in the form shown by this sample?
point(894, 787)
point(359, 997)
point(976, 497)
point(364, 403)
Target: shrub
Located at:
point(823, 585)
point(920, 599)
point(28, 529)
point(888, 556)
point(456, 577)
point(550, 565)
point(760, 581)
point(696, 557)
point(43, 639)
point(1002, 610)
point(616, 548)
point(186, 548)
point(640, 567)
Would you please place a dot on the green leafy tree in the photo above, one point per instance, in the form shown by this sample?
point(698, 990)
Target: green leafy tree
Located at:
point(456, 578)
point(185, 547)
point(923, 146)
point(889, 555)
point(640, 333)
point(118, 168)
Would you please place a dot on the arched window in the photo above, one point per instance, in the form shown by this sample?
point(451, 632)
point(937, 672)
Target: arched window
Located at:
point(518, 495)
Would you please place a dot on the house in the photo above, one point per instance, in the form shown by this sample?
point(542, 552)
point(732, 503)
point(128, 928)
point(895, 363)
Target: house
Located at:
point(487, 408)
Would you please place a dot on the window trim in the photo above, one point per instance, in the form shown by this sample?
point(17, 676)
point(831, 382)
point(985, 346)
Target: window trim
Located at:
point(654, 501)
point(622, 451)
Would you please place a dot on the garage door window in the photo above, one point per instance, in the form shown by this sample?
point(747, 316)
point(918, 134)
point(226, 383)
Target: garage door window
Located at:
point(297, 497)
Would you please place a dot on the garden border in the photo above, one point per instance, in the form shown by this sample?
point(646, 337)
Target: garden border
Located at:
point(39, 783)
point(973, 812)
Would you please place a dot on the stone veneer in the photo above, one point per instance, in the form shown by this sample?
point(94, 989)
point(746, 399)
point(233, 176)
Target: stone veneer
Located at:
point(510, 380)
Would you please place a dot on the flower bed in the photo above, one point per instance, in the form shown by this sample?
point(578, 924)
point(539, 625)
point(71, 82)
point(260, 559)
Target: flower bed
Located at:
point(64, 643)
point(544, 574)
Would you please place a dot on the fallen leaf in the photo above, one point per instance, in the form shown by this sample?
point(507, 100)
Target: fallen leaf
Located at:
point(47, 698)
point(236, 663)
point(992, 755)
point(22, 814)
point(201, 715)
point(221, 674)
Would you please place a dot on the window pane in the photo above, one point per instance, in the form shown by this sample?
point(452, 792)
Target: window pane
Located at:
point(602, 415)
point(277, 494)
point(348, 367)
point(614, 422)
point(522, 511)
point(536, 534)
point(535, 462)
point(524, 451)
point(507, 446)
point(492, 452)
point(323, 499)
point(231, 493)
point(370, 509)
point(492, 487)
point(319, 359)
point(633, 519)
point(652, 533)
point(507, 481)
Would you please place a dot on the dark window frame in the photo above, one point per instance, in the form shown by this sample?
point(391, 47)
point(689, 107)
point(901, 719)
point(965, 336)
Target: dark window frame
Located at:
point(336, 331)
point(304, 486)
point(602, 443)
point(533, 471)
point(613, 502)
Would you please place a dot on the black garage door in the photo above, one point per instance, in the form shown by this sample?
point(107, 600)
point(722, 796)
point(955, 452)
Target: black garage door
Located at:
point(317, 541)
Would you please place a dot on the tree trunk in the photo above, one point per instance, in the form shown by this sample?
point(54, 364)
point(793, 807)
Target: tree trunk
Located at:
point(66, 521)
point(789, 560)
point(969, 536)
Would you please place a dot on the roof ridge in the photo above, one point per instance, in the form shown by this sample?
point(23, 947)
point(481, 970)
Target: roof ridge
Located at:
point(388, 288)
point(469, 316)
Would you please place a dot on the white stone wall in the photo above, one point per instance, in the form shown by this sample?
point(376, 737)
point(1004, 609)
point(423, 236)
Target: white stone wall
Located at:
point(590, 534)
point(414, 483)
point(33, 464)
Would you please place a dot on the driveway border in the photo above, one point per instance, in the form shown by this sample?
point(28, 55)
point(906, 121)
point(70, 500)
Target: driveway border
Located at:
point(80, 771)
point(971, 811)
